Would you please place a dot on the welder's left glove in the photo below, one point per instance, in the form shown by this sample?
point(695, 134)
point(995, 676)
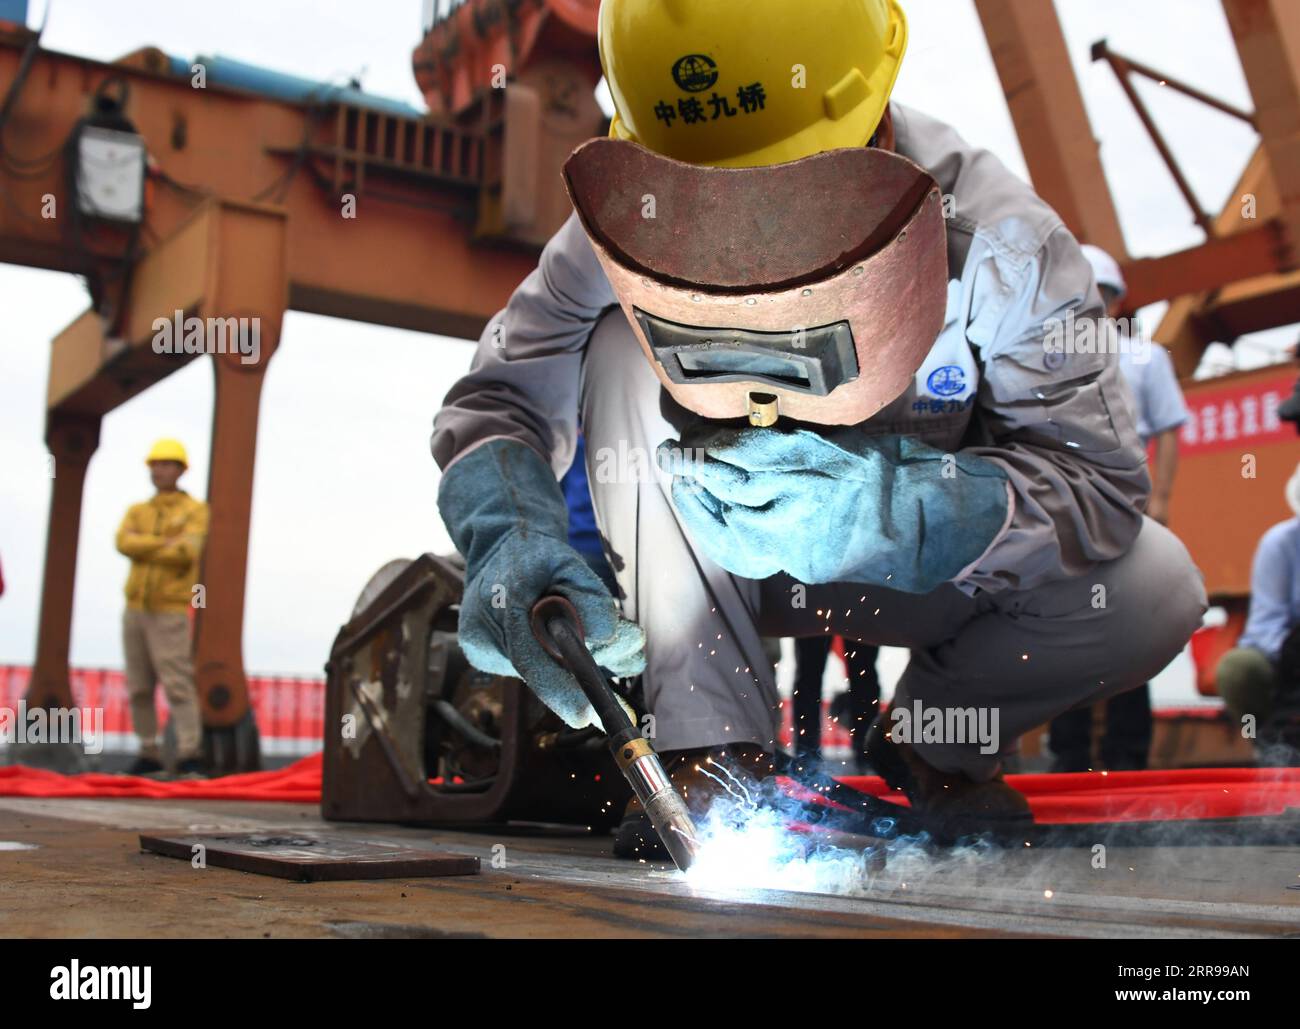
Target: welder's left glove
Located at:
point(841, 507)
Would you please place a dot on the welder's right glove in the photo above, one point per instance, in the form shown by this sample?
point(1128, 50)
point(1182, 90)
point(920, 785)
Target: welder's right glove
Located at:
point(506, 513)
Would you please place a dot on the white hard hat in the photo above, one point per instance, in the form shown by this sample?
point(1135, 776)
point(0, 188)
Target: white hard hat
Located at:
point(1105, 269)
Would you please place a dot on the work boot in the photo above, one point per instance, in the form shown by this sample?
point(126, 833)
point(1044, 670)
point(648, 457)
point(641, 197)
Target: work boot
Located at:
point(636, 838)
point(145, 766)
point(952, 804)
point(1071, 761)
point(191, 768)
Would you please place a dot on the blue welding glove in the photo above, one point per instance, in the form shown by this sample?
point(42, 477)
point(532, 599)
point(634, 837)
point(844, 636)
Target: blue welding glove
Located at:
point(506, 513)
point(838, 508)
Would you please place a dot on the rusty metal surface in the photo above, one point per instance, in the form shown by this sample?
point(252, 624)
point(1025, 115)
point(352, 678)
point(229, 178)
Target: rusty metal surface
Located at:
point(409, 262)
point(309, 856)
point(1059, 144)
point(1253, 252)
point(72, 441)
point(248, 277)
point(1242, 253)
point(1267, 35)
point(207, 251)
point(1025, 39)
point(88, 878)
point(1124, 68)
point(461, 51)
point(1197, 319)
point(226, 260)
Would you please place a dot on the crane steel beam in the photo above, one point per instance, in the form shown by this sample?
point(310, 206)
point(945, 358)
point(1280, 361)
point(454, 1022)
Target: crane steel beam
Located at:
point(1033, 64)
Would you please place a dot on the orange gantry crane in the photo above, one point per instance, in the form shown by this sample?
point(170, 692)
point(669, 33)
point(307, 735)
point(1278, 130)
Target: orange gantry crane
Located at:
point(251, 204)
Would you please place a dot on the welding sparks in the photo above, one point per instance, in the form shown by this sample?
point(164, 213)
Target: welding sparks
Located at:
point(746, 842)
point(744, 848)
point(749, 797)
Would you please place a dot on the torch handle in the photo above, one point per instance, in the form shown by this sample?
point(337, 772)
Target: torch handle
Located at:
point(558, 629)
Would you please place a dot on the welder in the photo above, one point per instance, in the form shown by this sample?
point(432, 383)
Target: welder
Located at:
point(802, 328)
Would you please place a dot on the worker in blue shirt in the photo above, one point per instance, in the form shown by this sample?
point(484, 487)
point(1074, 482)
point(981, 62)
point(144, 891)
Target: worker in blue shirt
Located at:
point(1149, 374)
point(1160, 412)
point(1247, 676)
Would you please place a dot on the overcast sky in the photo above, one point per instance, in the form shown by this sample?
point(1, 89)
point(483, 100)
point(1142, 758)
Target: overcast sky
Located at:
point(344, 477)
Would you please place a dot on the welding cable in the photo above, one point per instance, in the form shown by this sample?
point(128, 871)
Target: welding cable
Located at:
point(464, 726)
point(24, 69)
point(589, 737)
point(320, 102)
point(16, 87)
point(183, 188)
point(26, 216)
point(21, 164)
point(569, 642)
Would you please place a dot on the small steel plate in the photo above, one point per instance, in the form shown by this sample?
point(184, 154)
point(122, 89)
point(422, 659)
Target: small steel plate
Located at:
point(311, 856)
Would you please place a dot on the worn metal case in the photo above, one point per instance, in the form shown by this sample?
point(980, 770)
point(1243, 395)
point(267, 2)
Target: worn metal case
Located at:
point(389, 664)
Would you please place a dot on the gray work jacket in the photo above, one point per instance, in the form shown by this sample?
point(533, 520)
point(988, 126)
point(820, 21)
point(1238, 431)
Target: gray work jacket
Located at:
point(1058, 423)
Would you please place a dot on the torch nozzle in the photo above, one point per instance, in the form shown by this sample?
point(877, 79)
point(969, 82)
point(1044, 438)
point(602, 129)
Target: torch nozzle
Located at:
point(662, 803)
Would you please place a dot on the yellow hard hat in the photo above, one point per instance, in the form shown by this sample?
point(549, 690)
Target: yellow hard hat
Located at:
point(168, 450)
point(738, 83)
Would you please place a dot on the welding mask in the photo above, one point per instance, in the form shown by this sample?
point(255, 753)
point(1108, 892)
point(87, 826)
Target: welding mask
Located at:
point(811, 289)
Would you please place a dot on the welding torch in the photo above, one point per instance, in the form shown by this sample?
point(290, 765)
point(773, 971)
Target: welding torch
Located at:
point(558, 629)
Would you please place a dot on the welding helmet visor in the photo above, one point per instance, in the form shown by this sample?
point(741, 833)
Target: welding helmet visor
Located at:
point(812, 289)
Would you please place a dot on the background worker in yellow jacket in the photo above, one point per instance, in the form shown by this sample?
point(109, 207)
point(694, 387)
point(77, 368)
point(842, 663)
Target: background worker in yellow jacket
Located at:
point(163, 537)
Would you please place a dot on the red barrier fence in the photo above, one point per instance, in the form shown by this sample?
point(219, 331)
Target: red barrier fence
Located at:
point(290, 710)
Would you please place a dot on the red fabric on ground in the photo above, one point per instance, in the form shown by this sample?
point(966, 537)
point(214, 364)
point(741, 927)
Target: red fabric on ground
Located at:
point(295, 783)
point(1055, 799)
point(1194, 793)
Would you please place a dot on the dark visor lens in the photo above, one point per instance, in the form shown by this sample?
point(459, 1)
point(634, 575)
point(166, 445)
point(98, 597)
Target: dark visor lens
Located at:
point(813, 361)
